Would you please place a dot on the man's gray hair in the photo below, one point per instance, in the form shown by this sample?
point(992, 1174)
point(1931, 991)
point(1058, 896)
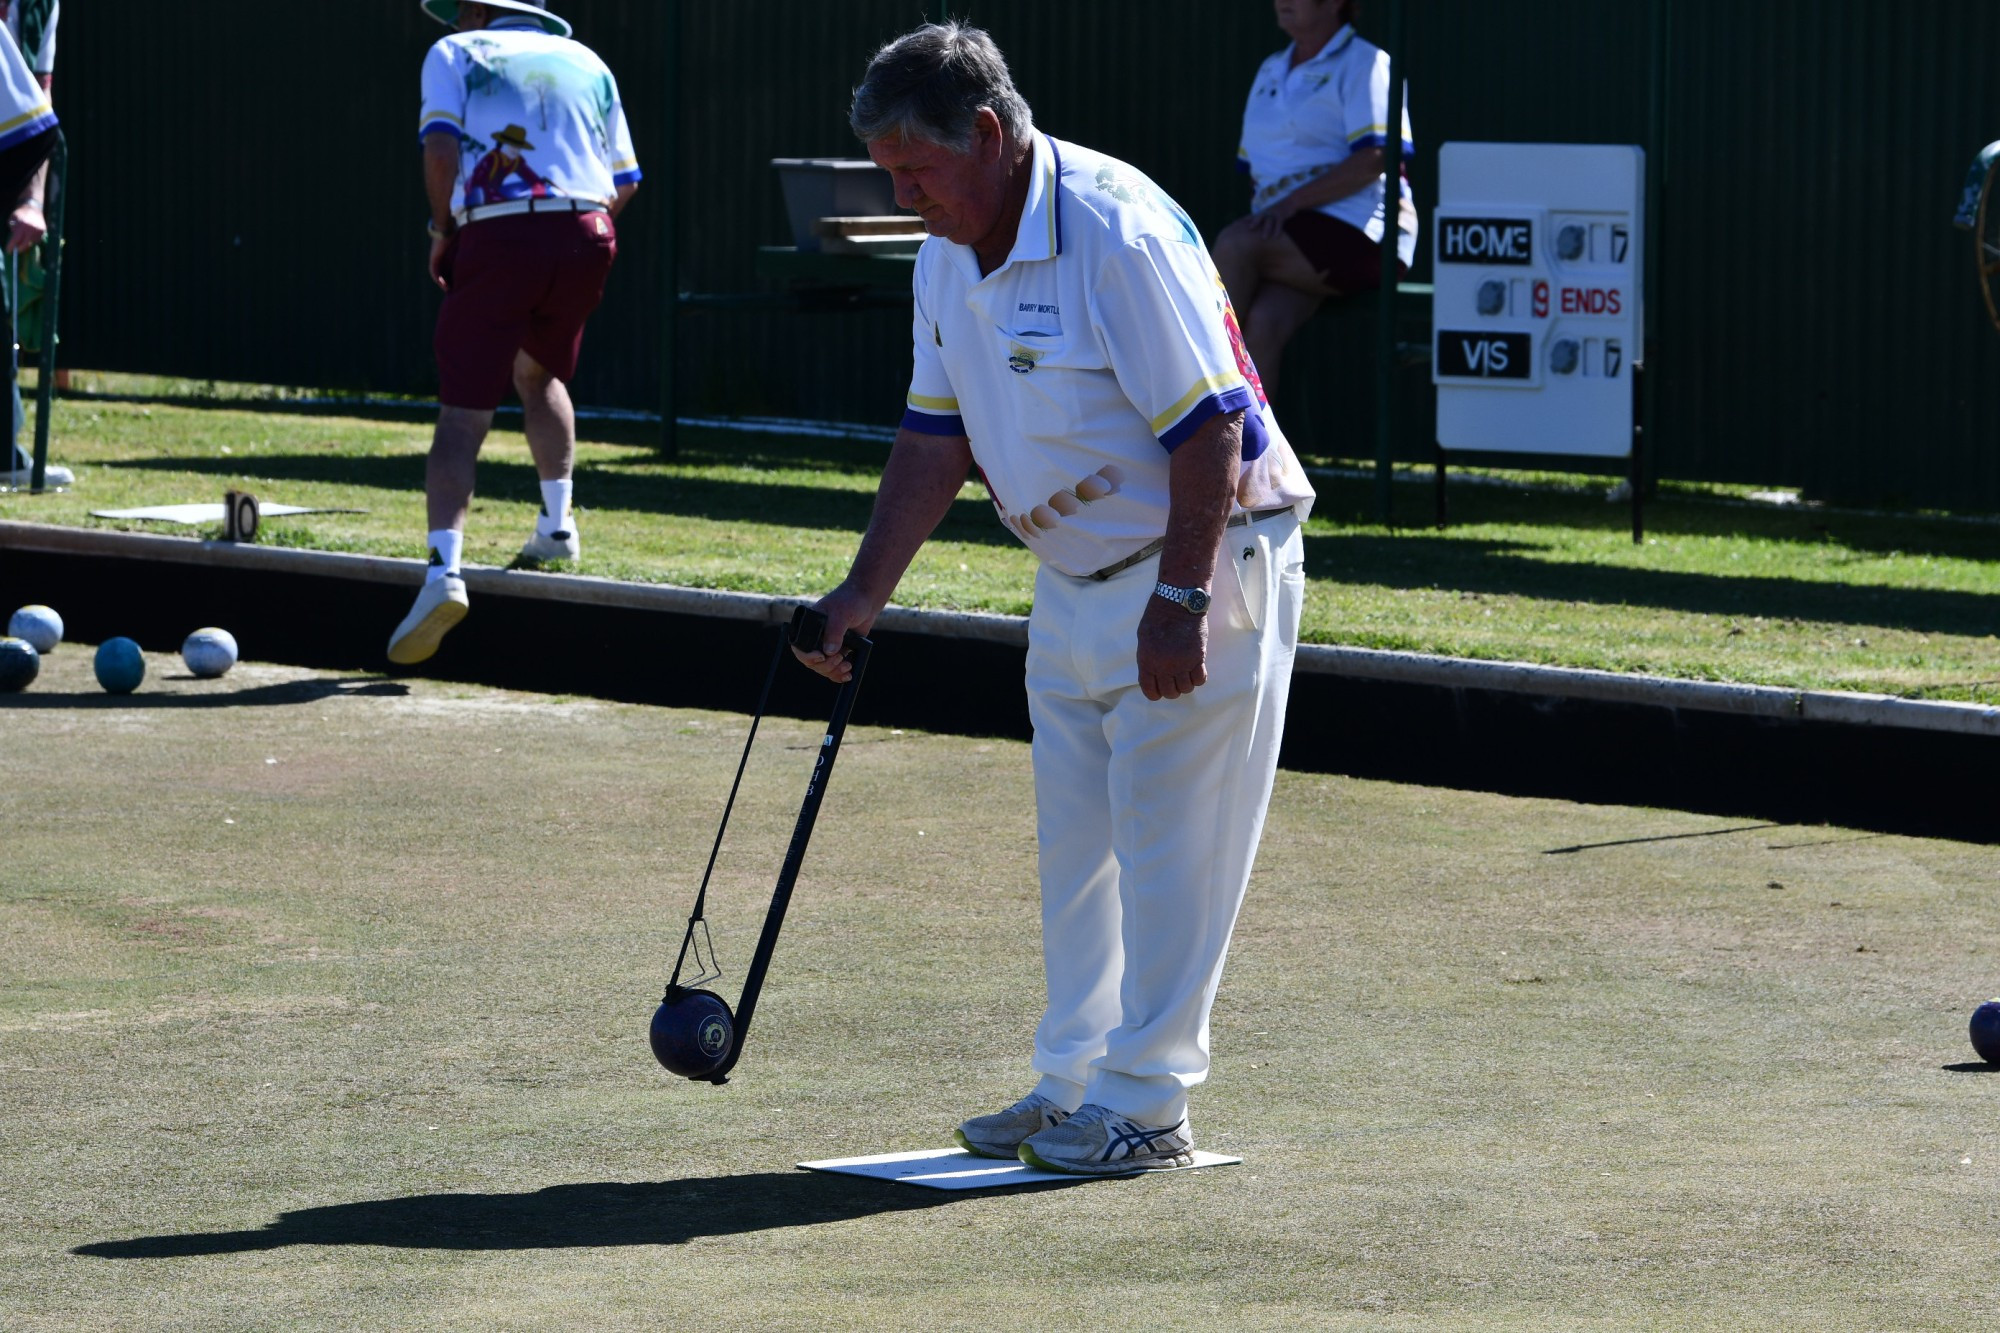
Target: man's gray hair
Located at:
point(931, 84)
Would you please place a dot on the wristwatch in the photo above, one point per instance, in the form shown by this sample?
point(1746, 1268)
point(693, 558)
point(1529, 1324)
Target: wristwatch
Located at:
point(1192, 600)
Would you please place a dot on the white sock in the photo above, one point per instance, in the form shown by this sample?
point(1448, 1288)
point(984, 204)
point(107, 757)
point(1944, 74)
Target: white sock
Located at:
point(555, 507)
point(447, 545)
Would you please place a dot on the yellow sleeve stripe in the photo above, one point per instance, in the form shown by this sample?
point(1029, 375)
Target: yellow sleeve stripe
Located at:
point(1364, 133)
point(40, 109)
point(1201, 390)
point(429, 116)
point(923, 404)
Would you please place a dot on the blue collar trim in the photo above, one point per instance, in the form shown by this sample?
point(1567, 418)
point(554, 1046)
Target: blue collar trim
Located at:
point(1055, 151)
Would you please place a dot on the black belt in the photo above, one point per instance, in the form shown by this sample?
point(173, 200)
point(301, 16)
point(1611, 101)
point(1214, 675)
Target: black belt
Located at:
point(1158, 544)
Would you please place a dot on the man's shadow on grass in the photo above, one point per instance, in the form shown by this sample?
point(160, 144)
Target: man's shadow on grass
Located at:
point(281, 693)
point(598, 1213)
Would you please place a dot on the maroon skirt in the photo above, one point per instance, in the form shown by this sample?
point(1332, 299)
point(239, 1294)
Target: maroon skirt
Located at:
point(1341, 253)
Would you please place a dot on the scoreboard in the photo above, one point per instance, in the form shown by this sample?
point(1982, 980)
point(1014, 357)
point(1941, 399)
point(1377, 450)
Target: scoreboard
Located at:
point(1537, 313)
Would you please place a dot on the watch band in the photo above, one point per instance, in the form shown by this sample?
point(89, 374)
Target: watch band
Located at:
point(1192, 600)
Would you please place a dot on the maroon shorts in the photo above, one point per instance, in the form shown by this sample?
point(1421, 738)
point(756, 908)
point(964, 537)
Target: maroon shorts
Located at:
point(521, 283)
point(1341, 253)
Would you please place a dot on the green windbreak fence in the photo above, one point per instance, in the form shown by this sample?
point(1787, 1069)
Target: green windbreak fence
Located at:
point(246, 200)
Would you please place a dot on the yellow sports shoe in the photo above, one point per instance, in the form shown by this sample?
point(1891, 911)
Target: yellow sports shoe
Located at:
point(441, 604)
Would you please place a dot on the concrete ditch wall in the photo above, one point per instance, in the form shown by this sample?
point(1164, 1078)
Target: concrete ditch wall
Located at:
point(1803, 757)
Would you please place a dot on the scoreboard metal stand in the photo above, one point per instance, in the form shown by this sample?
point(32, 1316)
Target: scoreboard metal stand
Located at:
point(1635, 477)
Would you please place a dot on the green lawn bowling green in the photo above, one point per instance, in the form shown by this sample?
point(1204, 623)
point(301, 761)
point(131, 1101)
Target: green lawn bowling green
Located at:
point(326, 1000)
point(1535, 567)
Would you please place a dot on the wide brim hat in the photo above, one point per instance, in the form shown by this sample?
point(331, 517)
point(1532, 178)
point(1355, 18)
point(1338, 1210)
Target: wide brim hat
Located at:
point(446, 12)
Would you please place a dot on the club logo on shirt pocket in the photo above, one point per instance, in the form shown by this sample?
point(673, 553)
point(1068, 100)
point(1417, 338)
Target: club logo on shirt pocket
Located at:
point(1021, 359)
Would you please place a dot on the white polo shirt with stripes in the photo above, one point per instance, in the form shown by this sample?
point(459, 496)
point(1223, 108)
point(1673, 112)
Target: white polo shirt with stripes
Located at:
point(1079, 365)
point(1302, 122)
point(24, 107)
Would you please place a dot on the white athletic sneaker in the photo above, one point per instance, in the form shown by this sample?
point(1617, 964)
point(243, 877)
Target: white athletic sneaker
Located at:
point(52, 476)
point(441, 604)
point(1001, 1134)
point(545, 546)
point(1100, 1142)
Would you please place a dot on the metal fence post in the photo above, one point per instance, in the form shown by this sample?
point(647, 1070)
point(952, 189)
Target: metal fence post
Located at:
point(1647, 472)
point(669, 233)
point(10, 293)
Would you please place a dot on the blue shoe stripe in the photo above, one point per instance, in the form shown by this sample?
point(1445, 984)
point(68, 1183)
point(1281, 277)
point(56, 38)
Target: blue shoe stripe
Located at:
point(1125, 1140)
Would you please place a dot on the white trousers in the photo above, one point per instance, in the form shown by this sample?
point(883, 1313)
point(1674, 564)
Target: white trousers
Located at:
point(1148, 815)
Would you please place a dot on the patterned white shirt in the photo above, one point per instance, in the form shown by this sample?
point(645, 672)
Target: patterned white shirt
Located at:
point(536, 115)
point(24, 107)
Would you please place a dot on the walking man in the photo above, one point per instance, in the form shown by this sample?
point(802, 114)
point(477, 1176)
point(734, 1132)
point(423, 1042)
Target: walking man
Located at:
point(520, 275)
point(1073, 340)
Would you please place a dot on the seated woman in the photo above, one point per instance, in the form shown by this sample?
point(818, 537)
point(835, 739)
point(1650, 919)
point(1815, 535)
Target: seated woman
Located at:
point(1315, 133)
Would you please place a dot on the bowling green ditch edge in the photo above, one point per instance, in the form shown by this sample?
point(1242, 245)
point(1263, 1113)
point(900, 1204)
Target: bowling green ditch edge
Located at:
point(1857, 761)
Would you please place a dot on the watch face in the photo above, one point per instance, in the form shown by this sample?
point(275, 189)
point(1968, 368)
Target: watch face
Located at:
point(1197, 600)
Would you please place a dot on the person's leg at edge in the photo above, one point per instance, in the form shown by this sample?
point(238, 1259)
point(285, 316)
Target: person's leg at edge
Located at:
point(448, 473)
point(1273, 288)
point(1082, 956)
point(479, 328)
point(1192, 785)
point(549, 421)
point(1081, 953)
point(448, 482)
point(549, 418)
point(441, 603)
point(1236, 262)
point(18, 165)
point(1278, 313)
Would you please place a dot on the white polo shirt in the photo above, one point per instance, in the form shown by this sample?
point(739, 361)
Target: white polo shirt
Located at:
point(536, 115)
point(1301, 122)
point(1078, 365)
point(24, 107)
